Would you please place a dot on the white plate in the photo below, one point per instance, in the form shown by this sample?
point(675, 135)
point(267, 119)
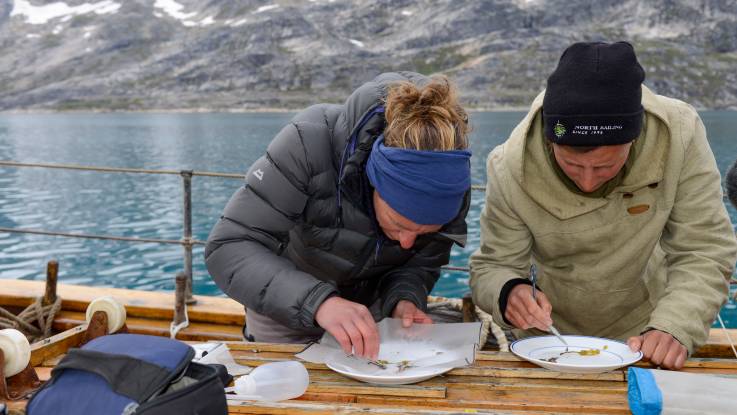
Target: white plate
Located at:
point(432, 360)
point(612, 355)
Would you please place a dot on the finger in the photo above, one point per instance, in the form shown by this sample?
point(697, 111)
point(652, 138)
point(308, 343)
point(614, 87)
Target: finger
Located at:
point(407, 317)
point(516, 319)
point(681, 359)
point(342, 337)
point(533, 314)
point(661, 350)
point(534, 322)
point(648, 347)
point(541, 318)
point(513, 318)
point(674, 352)
point(543, 302)
point(523, 316)
point(516, 312)
point(635, 343)
point(370, 337)
point(356, 338)
point(422, 318)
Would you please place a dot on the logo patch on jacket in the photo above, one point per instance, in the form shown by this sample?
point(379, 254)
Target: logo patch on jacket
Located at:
point(636, 210)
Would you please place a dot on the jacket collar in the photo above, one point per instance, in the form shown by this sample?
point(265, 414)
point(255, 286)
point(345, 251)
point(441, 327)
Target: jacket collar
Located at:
point(529, 166)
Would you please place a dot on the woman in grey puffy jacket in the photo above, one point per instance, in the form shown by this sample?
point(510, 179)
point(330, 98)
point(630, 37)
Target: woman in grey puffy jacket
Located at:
point(349, 215)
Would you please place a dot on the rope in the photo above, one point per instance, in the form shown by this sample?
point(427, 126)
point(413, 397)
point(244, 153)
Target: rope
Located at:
point(726, 332)
point(174, 329)
point(34, 321)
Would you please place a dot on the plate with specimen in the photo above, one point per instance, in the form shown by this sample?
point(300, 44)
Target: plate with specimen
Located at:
point(399, 362)
point(583, 354)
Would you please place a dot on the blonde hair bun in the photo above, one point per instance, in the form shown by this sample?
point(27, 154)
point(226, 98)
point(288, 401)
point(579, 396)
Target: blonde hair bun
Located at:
point(425, 117)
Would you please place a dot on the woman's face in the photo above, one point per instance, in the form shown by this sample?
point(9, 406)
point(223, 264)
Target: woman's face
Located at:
point(591, 169)
point(397, 227)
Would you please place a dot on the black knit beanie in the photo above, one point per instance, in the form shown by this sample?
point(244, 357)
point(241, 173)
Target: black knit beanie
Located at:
point(594, 96)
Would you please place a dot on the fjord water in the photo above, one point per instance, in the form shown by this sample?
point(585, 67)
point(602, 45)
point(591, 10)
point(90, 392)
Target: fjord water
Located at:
point(141, 205)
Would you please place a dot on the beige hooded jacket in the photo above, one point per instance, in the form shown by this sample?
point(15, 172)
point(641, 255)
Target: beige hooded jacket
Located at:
point(657, 252)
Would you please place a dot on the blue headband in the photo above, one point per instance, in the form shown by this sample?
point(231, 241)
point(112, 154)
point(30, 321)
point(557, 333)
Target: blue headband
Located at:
point(426, 187)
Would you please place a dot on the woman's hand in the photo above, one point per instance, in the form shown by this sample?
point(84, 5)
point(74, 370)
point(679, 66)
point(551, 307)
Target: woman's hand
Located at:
point(352, 326)
point(409, 313)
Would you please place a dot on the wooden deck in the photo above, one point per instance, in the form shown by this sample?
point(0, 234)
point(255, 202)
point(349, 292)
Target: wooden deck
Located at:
point(498, 382)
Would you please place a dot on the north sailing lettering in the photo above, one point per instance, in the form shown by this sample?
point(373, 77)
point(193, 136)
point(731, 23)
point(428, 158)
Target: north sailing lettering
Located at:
point(594, 129)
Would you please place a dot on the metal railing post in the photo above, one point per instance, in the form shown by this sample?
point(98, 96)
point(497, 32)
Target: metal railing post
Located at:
point(187, 237)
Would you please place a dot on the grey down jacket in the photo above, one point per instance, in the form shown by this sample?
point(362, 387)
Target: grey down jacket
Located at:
point(300, 230)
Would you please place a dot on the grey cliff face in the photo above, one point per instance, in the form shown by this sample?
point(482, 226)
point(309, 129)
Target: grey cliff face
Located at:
point(230, 55)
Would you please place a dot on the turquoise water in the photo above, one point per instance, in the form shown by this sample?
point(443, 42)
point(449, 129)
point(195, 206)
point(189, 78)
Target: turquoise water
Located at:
point(150, 205)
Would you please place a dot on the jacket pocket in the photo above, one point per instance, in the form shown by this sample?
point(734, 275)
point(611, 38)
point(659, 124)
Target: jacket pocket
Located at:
point(581, 309)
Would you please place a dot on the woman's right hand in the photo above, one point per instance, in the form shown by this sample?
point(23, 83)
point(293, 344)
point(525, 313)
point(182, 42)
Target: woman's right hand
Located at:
point(352, 326)
point(524, 312)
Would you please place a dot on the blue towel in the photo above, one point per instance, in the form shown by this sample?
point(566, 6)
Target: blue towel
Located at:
point(643, 393)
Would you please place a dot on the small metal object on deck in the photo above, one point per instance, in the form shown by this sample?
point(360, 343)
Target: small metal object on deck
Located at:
point(187, 237)
point(533, 280)
point(52, 272)
point(17, 386)
point(557, 334)
point(180, 297)
point(181, 320)
point(97, 327)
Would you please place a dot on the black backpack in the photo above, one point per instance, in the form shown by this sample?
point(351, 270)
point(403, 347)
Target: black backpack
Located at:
point(127, 374)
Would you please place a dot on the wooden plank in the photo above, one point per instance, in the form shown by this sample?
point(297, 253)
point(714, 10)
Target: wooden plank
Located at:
point(43, 373)
point(536, 373)
point(314, 408)
point(195, 332)
point(540, 396)
point(368, 389)
point(266, 347)
point(497, 356)
point(138, 303)
point(718, 344)
point(498, 403)
point(57, 344)
point(327, 397)
point(533, 385)
point(700, 363)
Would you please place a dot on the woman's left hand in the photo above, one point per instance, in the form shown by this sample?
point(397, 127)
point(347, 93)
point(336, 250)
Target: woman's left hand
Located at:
point(409, 313)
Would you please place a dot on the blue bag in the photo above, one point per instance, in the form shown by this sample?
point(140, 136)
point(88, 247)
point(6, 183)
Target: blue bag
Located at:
point(125, 374)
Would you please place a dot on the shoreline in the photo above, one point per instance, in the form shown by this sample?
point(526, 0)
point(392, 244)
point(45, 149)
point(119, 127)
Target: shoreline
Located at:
point(246, 110)
point(209, 111)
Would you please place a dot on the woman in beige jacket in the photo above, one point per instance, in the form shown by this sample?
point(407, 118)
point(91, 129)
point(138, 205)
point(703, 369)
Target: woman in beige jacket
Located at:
point(613, 192)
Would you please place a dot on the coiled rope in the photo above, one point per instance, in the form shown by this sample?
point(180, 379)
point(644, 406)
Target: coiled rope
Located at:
point(34, 321)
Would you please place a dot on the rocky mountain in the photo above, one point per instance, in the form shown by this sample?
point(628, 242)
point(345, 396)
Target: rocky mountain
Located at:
point(250, 54)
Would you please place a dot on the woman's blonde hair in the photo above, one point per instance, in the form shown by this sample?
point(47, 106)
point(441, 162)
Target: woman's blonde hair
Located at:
point(426, 117)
